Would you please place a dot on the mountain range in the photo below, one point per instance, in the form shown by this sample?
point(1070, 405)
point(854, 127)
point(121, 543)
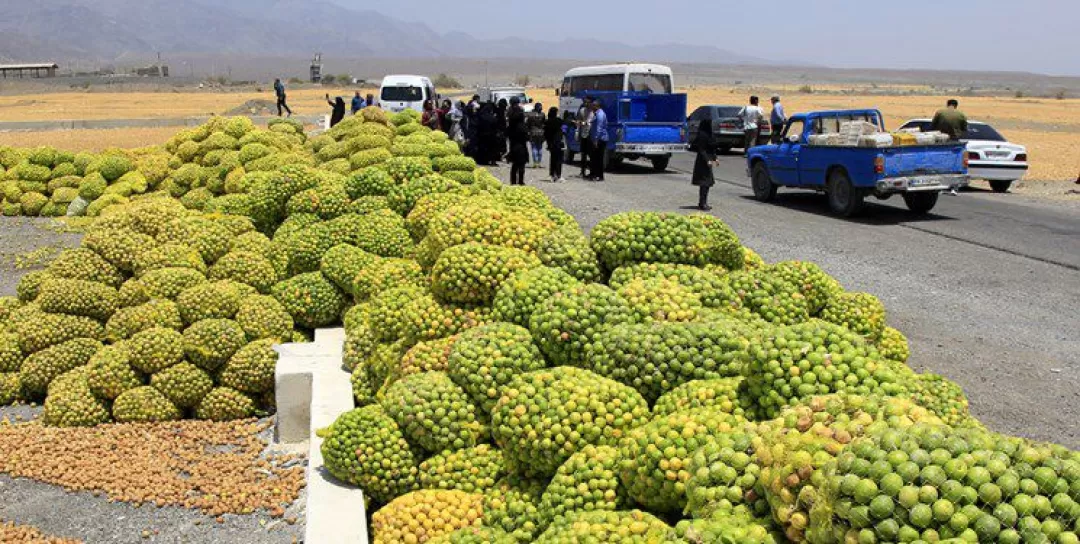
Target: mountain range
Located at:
point(131, 30)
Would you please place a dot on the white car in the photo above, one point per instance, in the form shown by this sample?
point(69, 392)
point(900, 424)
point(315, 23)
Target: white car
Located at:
point(990, 156)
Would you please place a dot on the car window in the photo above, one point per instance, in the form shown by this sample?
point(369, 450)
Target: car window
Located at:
point(607, 82)
point(652, 83)
point(982, 131)
point(402, 94)
point(794, 127)
point(699, 114)
point(727, 112)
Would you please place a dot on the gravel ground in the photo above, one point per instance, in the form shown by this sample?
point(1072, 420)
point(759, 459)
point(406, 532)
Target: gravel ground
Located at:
point(94, 519)
point(986, 289)
point(21, 235)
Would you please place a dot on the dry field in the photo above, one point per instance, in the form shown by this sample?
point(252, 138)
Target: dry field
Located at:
point(1050, 128)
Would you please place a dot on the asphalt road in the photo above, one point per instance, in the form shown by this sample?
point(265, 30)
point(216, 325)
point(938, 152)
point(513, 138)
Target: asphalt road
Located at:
point(986, 287)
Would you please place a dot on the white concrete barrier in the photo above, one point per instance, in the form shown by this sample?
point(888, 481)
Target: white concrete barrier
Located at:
point(313, 389)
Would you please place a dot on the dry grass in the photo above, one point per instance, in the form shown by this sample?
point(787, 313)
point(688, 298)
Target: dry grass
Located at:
point(90, 140)
point(1048, 127)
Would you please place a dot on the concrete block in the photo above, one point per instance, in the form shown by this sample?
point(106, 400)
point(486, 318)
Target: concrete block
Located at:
point(313, 389)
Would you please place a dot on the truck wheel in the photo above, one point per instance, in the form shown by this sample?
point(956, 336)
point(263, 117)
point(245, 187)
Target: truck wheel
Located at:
point(660, 164)
point(764, 189)
point(845, 199)
point(1000, 186)
point(921, 203)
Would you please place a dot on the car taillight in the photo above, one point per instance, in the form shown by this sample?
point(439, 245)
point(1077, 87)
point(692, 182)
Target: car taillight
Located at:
point(879, 165)
point(682, 134)
point(972, 156)
point(727, 125)
point(966, 159)
point(1021, 157)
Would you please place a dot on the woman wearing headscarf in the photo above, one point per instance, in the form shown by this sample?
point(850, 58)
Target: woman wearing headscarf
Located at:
point(487, 135)
point(553, 135)
point(338, 113)
point(703, 164)
point(534, 121)
point(430, 118)
point(445, 120)
point(518, 135)
point(500, 112)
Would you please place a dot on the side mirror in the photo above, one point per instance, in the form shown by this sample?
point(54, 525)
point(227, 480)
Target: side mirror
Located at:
point(558, 92)
point(794, 138)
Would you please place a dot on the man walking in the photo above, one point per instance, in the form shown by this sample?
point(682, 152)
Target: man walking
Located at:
point(950, 120)
point(751, 116)
point(598, 135)
point(584, 126)
point(279, 90)
point(777, 119)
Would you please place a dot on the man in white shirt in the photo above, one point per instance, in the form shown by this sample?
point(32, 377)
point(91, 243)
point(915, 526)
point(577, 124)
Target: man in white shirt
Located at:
point(751, 116)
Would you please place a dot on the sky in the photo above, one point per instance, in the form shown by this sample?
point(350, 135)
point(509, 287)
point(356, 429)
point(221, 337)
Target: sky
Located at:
point(1010, 35)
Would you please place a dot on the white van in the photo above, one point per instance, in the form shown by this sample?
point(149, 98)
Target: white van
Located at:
point(402, 92)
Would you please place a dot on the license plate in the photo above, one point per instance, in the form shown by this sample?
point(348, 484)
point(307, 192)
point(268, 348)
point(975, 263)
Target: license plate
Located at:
point(922, 182)
point(997, 155)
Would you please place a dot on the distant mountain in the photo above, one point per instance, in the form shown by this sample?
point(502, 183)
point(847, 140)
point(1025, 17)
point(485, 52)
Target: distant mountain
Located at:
point(114, 30)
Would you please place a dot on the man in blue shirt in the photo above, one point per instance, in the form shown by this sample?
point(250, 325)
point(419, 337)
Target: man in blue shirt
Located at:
point(777, 119)
point(598, 134)
point(279, 91)
point(357, 103)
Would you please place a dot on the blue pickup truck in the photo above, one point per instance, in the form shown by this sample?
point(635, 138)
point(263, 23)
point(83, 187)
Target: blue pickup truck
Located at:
point(641, 125)
point(919, 173)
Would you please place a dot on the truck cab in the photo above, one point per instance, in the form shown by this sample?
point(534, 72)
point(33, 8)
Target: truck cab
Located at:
point(646, 119)
point(817, 151)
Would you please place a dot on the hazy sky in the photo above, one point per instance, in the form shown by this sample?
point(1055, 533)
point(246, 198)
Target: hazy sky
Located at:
point(1022, 35)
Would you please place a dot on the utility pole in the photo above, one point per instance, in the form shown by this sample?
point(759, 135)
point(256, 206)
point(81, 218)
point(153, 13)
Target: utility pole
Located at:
point(486, 74)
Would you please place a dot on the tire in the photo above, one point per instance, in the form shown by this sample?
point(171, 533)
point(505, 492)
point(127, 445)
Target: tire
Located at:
point(1000, 186)
point(764, 188)
point(845, 200)
point(921, 203)
point(660, 164)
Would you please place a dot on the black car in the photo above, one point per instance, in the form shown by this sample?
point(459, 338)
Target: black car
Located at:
point(727, 127)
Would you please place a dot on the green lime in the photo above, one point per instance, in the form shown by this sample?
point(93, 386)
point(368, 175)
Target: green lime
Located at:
point(1042, 506)
point(1045, 478)
point(977, 476)
point(1009, 484)
point(881, 507)
point(908, 496)
point(866, 536)
point(990, 494)
point(1006, 514)
point(933, 475)
point(887, 530)
point(891, 484)
point(928, 494)
point(1008, 536)
point(1051, 528)
point(987, 527)
point(921, 516)
point(943, 510)
point(1023, 504)
point(865, 491)
point(958, 522)
point(908, 470)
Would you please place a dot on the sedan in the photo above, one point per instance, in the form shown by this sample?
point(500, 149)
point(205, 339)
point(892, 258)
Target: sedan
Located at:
point(990, 156)
point(727, 127)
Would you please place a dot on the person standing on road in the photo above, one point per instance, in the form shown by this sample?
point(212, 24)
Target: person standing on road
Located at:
point(553, 135)
point(279, 91)
point(703, 164)
point(751, 116)
point(338, 112)
point(598, 134)
point(430, 117)
point(487, 135)
point(357, 103)
point(501, 108)
point(535, 123)
point(777, 119)
point(950, 120)
point(584, 125)
point(518, 136)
